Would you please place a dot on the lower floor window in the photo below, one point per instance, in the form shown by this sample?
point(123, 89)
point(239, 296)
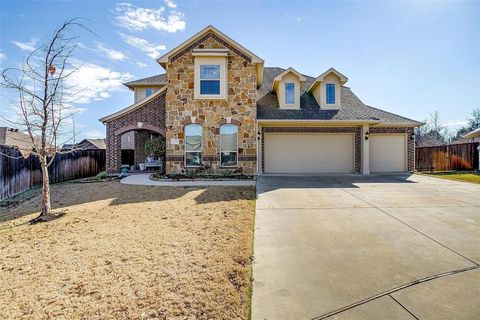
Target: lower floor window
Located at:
point(193, 159)
point(228, 145)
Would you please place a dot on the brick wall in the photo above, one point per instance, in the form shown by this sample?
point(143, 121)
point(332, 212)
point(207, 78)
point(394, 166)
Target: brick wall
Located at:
point(151, 114)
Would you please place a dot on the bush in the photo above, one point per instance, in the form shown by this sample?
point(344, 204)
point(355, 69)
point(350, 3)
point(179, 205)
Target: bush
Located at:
point(101, 176)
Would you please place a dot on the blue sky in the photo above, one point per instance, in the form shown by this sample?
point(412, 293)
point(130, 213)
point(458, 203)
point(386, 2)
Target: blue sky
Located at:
point(410, 58)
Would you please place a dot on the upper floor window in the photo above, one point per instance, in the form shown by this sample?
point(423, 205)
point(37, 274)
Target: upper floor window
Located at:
point(330, 93)
point(289, 93)
point(149, 91)
point(228, 145)
point(193, 145)
point(210, 79)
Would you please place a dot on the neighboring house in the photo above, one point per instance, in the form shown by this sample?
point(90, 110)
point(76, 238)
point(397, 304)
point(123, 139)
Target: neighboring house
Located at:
point(218, 106)
point(13, 138)
point(86, 144)
point(473, 136)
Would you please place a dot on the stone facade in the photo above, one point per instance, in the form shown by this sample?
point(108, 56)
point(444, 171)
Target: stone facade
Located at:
point(151, 115)
point(410, 142)
point(239, 108)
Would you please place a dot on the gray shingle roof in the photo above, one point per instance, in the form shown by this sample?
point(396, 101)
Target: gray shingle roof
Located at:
point(159, 79)
point(352, 107)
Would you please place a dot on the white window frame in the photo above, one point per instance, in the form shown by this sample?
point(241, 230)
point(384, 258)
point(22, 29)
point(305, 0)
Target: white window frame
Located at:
point(185, 146)
point(222, 62)
point(294, 93)
point(236, 151)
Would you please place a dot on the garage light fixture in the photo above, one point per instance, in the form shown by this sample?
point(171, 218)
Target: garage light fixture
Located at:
point(366, 135)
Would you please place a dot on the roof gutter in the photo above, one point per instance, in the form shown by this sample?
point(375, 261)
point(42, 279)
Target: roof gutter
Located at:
point(318, 121)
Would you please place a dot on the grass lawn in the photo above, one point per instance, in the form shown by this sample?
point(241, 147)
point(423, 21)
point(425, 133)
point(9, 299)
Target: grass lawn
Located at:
point(466, 177)
point(128, 252)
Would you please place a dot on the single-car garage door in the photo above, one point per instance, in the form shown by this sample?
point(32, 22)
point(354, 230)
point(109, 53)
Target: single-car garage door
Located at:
point(309, 153)
point(388, 152)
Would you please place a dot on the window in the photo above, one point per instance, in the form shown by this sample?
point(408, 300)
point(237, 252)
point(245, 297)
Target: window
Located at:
point(193, 145)
point(289, 93)
point(210, 79)
point(148, 92)
point(228, 145)
point(330, 91)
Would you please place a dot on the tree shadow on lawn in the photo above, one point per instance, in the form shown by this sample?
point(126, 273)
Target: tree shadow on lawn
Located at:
point(68, 194)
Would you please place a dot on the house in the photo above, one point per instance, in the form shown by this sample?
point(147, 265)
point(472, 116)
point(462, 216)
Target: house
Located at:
point(473, 136)
point(86, 144)
point(218, 106)
point(12, 137)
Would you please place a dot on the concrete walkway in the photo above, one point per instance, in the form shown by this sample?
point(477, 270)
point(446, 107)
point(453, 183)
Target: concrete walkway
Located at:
point(144, 180)
point(353, 247)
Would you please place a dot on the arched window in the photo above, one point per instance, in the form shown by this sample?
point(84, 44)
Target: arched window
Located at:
point(193, 145)
point(228, 145)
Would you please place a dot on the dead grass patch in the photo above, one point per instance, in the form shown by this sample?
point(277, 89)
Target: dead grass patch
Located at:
point(129, 252)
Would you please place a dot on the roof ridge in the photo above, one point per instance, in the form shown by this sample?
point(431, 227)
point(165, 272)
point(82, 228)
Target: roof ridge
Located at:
point(368, 106)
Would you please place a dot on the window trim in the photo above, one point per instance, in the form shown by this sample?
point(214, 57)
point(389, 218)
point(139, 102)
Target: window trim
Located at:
point(185, 146)
point(285, 89)
point(222, 62)
point(334, 93)
point(220, 146)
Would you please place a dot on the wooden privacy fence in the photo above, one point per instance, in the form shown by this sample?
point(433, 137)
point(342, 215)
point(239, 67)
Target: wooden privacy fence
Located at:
point(18, 174)
point(463, 156)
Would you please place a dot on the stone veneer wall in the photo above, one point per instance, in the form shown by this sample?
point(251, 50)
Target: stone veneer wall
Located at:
point(355, 130)
point(152, 115)
point(239, 107)
point(410, 142)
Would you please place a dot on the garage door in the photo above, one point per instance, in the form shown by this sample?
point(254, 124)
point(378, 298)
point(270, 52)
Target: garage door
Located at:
point(308, 153)
point(388, 152)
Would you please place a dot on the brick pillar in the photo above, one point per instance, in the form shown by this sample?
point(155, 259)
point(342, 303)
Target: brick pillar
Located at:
point(113, 152)
point(140, 138)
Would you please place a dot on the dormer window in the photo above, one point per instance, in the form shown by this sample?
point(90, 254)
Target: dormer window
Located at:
point(210, 79)
point(289, 93)
point(330, 93)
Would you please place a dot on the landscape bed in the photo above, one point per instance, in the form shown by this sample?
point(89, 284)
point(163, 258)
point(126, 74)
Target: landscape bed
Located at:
point(129, 252)
point(472, 177)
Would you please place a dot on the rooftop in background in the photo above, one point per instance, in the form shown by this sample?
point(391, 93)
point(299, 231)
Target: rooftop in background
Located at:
point(158, 80)
point(87, 144)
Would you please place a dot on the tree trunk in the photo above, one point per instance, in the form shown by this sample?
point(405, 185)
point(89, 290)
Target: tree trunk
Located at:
point(46, 207)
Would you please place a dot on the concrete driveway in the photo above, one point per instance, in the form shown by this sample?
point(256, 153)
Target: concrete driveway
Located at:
point(366, 247)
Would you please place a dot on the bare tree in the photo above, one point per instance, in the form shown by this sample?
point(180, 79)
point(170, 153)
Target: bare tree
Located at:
point(44, 103)
point(433, 132)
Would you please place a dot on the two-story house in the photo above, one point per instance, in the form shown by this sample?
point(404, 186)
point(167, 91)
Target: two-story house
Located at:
point(218, 106)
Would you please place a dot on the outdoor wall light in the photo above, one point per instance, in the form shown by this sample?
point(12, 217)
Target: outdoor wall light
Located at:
point(366, 135)
point(412, 136)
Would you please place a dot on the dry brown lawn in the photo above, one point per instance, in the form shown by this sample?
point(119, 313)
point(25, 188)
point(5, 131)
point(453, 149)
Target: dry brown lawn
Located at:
point(129, 252)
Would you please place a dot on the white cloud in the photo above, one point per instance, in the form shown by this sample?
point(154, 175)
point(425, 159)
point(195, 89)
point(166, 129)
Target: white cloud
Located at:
point(2, 56)
point(94, 134)
point(456, 123)
point(170, 4)
point(136, 18)
point(27, 46)
point(110, 53)
point(95, 82)
point(152, 50)
point(141, 64)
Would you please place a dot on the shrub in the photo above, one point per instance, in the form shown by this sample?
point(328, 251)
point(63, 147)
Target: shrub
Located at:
point(101, 176)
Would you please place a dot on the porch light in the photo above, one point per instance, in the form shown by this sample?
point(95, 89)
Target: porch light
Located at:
point(140, 125)
point(366, 135)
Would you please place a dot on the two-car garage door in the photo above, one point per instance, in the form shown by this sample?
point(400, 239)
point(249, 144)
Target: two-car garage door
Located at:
point(309, 153)
point(331, 153)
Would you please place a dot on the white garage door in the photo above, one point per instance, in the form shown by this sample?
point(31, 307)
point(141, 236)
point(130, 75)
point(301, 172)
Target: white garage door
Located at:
point(308, 153)
point(388, 152)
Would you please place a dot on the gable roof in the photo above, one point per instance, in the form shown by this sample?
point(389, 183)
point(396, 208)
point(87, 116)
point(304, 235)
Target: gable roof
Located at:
point(352, 108)
point(220, 36)
point(321, 78)
point(134, 106)
point(157, 80)
point(279, 78)
point(163, 60)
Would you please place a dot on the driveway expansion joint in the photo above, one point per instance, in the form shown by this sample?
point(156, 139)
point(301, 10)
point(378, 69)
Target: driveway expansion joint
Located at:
point(401, 305)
